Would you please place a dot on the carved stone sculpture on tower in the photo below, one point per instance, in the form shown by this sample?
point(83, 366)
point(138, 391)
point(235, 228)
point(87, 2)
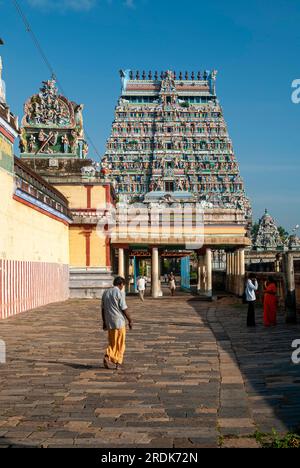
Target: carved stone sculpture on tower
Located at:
point(267, 237)
point(55, 123)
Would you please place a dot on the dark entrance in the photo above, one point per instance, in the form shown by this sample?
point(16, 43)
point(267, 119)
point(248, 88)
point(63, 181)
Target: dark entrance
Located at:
point(169, 186)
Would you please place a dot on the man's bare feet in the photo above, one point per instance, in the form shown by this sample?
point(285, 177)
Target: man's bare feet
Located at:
point(107, 364)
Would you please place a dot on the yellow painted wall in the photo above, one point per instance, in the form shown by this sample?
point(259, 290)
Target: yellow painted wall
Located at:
point(98, 250)
point(26, 234)
point(77, 195)
point(78, 248)
point(98, 196)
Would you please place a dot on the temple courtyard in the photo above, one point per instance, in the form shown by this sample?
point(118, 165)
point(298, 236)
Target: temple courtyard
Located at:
point(194, 376)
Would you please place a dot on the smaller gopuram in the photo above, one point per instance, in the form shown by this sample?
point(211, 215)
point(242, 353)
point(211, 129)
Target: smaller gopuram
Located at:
point(267, 237)
point(52, 126)
point(52, 144)
point(294, 242)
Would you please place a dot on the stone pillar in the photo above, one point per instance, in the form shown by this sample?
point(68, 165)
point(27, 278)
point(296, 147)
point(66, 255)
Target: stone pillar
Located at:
point(231, 268)
point(155, 273)
point(160, 293)
point(208, 268)
point(201, 275)
point(291, 313)
point(228, 272)
point(127, 272)
point(121, 267)
point(237, 273)
point(241, 271)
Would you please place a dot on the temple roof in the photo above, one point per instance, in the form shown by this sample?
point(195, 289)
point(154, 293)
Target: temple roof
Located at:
point(168, 81)
point(267, 237)
point(52, 125)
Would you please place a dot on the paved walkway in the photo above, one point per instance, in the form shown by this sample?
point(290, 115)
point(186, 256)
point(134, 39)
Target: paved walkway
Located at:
point(182, 385)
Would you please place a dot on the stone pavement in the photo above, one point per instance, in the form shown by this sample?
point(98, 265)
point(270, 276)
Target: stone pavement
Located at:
point(181, 387)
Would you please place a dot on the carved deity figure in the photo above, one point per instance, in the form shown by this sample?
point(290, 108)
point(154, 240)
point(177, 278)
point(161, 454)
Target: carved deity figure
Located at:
point(32, 144)
point(74, 144)
point(65, 142)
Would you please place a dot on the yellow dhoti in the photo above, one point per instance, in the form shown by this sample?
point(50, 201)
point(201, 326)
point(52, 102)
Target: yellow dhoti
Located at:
point(116, 345)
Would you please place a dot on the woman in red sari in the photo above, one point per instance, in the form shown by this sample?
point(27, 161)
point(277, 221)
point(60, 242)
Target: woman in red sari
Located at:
point(270, 303)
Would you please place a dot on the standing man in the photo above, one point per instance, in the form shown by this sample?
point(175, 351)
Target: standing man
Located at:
point(172, 283)
point(114, 315)
point(141, 286)
point(251, 288)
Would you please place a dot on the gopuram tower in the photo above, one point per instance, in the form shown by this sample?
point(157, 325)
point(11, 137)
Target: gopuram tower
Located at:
point(169, 137)
point(53, 145)
point(169, 149)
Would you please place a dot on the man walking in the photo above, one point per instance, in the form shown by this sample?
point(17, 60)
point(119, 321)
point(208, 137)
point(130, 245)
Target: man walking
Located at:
point(141, 286)
point(114, 315)
point(251, 288)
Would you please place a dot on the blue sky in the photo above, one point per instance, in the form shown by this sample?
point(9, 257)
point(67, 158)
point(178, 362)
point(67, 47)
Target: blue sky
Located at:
point(255, 46)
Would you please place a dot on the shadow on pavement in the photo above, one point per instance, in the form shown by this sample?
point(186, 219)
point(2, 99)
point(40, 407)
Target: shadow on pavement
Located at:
point(271, 379)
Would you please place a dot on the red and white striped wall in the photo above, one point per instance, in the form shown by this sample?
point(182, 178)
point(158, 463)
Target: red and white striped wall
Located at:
point(27, 285)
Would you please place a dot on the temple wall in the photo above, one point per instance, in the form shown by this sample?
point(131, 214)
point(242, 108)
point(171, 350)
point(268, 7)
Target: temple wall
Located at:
point(83, 196)
point(87, 249)
point(77, 245)
point(98, 250)
point(34, 254)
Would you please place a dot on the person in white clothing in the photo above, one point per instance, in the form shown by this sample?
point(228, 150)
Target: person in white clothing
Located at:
point(141, 286)
point(251, 288)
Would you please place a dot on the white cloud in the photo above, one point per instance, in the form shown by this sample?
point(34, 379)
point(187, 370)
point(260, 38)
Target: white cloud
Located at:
point(75, 5)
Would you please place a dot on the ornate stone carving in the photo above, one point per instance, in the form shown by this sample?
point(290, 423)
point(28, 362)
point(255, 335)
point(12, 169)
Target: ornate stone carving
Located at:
point(52, 125)
point(170, 136)
point(268, 237)
point(48, 108)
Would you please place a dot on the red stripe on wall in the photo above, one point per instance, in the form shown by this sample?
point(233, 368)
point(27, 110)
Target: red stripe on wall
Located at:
point(88, 248)
point(89, 189)
point(8, 135)
point(108, 256)
point(108, 194)
point(27, 285)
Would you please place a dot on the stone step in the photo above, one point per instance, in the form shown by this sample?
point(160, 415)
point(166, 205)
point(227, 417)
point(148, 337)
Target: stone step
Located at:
point(88, 277)
point(89, 283)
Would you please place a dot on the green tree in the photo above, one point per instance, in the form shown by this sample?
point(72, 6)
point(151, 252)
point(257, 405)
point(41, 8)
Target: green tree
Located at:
point(254, 230)
point(283, 233)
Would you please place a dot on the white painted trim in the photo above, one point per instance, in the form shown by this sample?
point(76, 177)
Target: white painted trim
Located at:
point(7, 127)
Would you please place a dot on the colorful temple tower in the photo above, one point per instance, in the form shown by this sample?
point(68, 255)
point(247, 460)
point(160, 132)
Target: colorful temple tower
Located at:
point(169, 149)
point(169, 136)
point(52, 126)
point(52, 144)
point(268, 237)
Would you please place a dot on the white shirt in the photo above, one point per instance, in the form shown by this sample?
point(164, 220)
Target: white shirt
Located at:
point(114, 302)
point(251, 288)
point(141, 284)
